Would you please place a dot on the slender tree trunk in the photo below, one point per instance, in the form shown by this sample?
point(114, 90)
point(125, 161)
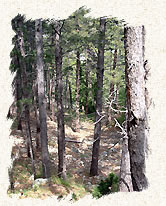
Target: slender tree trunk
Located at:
point(66, 86)
point(136, 106)
point(53, 84)
point(48, 89)
point(125, 182)
point(117, 96)
point(35, 92)
point(113, 69)
point(87, 85)
point(29, 138)
point(19, 97)
point(53, 96)
point(77, 92)
point(112, 86)
point(42, 103)
point(70, 93)
point(100, 73)
point(60, 112)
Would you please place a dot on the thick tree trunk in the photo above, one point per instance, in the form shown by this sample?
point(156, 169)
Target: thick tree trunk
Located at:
point(42, 103)
point(100, 73)
point(60, 112)
point(23, 67)
point(136, 106)
point(77, 128)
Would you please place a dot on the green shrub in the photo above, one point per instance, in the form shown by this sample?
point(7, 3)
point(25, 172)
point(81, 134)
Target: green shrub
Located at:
point(74, 197)
point(107, 186)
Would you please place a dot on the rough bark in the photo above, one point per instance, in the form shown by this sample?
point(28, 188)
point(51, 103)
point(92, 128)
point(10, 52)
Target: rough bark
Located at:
point(41, 97)
point(23, 67)
point(136, 106)
point(60, 110)
point(125, 182)
point(100, 73)
point(77, 128)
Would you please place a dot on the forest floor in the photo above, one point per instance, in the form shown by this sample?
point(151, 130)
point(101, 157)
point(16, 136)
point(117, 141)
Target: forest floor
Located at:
point(78, 159)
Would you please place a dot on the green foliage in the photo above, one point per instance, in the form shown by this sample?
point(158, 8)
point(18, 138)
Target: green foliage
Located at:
point(107, 186)
point(39, 172)
point(74, 196)
point(60, 181)
point(122, 96)
point(35, 188)
point(79, 33)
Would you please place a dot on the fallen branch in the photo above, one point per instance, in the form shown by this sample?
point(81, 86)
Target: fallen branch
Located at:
point(74, 141)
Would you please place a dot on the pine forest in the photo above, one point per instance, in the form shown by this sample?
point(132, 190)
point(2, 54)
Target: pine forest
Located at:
point(80, 107)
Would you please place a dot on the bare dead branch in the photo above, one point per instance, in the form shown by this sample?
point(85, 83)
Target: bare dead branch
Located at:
point(99, 119)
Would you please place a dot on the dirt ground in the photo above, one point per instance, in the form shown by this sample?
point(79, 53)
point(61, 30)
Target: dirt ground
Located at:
point(78, 154)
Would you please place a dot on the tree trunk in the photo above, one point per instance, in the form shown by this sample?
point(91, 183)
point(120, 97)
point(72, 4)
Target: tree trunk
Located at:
point(35, 91)
point(66, 86)
point(19, 98)
point(42, 103)
point(87, 85)
point(29, 138)
point(117, 96)
point(136, 106)
point(48, 89)
point(125, 182)
point(23, 67)
point(112, 86)
point(60, 112)
point(100, 73)
point(71, 100)
point(77, 92)
point(53, 96)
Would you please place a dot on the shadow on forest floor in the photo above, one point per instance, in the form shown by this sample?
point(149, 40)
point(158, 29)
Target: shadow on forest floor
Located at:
point(78, 159)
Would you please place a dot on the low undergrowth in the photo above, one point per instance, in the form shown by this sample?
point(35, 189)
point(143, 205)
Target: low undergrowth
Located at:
point(25, 187)
point(78, 183)
point(107, 186)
